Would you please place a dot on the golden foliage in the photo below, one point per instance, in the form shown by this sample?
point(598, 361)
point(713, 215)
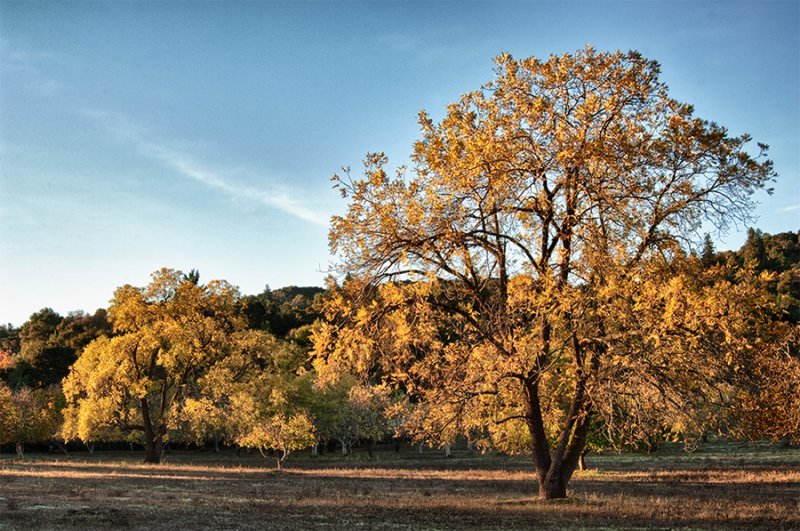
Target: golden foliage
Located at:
point(179, 349)
point(28, 415)
point(502, 283)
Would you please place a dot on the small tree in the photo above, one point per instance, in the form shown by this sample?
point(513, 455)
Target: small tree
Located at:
point(28, 416)
point(235, 392)
point(279, 432)
point(349, 411)
point(251, 397)
point(9, 415)
point(201, 419)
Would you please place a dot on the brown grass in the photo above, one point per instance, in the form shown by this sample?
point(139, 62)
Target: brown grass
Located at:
point(724, 487)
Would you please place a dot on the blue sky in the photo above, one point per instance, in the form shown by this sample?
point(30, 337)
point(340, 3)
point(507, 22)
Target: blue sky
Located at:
point(202, 135)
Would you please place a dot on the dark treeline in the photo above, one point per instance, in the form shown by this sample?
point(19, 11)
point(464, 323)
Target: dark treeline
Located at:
point(778, 255)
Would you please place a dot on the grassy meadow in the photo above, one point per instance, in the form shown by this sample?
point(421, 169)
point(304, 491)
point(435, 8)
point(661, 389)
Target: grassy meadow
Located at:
point(721, 486)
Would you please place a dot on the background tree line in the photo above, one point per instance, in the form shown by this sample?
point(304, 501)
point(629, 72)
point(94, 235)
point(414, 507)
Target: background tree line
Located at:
point(239, 370)
point(180, 361)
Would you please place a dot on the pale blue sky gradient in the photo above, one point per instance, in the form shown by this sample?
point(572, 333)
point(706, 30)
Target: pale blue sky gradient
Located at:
point(202, 135)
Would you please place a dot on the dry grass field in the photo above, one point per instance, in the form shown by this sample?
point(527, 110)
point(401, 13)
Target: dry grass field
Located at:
point(732, 486)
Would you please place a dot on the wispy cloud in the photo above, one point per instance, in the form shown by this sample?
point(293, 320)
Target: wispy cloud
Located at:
point(421, 47)
point(34, 65)
point(189, 166)
point(790, 208)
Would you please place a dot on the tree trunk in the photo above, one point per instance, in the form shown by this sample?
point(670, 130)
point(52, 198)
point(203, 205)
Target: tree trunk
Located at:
point(152, 450)
point(284, 455)
point(540, 447)
point(554, 487)
point(20, 449)
point(582, 461)
point(152, 440)
point(57, 447)
point(553, 472)
point(371, 447)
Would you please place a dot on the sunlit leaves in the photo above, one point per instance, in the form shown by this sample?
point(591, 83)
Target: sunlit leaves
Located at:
point(28, 415)
point(526, 261)
point(170, 337)
point(280, 432)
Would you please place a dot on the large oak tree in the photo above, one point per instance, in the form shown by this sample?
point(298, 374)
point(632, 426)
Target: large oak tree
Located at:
point(539, 216)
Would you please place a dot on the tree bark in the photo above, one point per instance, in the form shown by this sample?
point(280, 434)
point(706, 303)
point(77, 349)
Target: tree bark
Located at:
point(540, 446)
point(152, 439)
point(582, 460)
point(152, 451)
point(577, 445)
point(553, 472)
point(284, 455)
point(554, 487)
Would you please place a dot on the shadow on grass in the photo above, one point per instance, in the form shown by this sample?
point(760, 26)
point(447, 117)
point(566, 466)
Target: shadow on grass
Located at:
point(466, 494)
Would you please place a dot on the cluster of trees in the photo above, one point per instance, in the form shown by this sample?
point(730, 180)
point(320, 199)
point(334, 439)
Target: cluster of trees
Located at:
point(178, 360)
point(532, 286)
point(34, 359)
point(181, 361)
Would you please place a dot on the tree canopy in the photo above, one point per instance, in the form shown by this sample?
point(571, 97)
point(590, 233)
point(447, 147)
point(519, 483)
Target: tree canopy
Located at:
point(50, 343)
point(542, 216)
point(167, 335)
